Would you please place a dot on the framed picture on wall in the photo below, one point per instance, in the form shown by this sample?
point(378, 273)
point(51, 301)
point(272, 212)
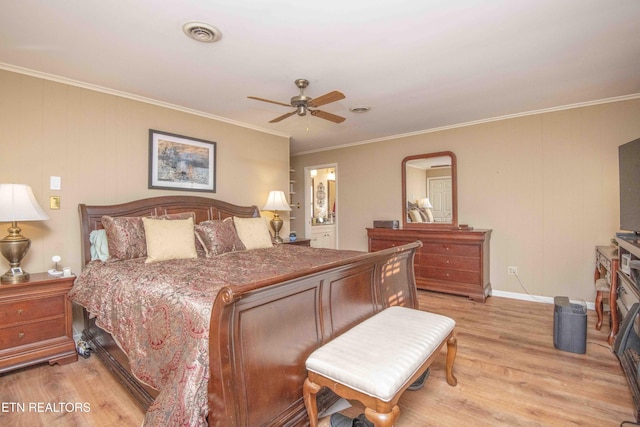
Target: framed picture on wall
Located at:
point(179, 162)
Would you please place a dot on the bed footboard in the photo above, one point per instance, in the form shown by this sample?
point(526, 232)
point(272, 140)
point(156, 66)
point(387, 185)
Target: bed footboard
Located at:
point(261, 334)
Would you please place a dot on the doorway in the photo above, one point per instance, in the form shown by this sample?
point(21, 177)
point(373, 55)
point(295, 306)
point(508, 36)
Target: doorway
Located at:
point(321, 205)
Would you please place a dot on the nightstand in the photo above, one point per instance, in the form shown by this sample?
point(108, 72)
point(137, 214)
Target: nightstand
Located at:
point(36, 322)
point(298, 242)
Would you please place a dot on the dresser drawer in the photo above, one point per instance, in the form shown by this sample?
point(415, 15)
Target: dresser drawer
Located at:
point(31, 332)
point(450, 262)
point(448, 275)
point(31, 309)
point(379, 244)
point(451, 249)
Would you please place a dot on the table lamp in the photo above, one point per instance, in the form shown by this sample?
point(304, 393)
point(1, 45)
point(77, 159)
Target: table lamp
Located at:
point(17, 203)
point(425, 203)
point(276, 202)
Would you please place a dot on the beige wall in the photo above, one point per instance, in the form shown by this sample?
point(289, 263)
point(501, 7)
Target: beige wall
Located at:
point(98, 144)
point(547, 185)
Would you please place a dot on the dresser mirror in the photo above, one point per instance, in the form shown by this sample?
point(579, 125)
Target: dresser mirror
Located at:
point(429, 191)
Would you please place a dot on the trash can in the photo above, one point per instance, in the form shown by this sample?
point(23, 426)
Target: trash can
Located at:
point(570, 325)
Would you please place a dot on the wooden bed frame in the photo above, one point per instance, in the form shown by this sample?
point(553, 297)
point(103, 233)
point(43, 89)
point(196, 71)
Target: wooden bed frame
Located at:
point(261, 333)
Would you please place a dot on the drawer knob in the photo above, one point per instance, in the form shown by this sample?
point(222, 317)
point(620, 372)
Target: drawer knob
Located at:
point(19, 311)
point(21, 335)
point(447, 261)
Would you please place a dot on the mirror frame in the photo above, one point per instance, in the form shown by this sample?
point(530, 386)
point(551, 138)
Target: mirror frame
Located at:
point(454, 194)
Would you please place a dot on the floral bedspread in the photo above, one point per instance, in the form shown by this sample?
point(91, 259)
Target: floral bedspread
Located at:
point(159, 314)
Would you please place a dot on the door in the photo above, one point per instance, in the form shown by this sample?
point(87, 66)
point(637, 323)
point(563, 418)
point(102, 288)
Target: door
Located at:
point(440, 198)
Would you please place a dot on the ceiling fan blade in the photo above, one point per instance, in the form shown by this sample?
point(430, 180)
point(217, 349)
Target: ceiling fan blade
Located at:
point(282, 117)
point(327, 116)
point(326, 98)
point(268, 100)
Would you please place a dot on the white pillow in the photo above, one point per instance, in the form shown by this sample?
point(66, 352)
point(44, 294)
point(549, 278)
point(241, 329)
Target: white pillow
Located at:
point(169, 239)
point(415, 216)
point(429, 215)
point(253, 232)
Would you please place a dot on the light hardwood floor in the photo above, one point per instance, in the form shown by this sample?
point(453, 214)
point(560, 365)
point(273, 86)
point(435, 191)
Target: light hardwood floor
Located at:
point(509, 374)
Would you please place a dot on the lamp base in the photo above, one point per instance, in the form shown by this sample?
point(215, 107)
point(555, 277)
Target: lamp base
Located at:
point(14, 247)
point(11, 277)
point(276, 224)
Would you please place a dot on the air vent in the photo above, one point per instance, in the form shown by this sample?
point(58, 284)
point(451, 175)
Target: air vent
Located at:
point(199, 31)
point(360, 109)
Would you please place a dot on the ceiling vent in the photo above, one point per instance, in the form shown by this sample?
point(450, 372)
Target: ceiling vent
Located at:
point(199, 31)
point(360, 109)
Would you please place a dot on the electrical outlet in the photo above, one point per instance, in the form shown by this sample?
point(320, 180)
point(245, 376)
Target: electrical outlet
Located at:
point(511, 270)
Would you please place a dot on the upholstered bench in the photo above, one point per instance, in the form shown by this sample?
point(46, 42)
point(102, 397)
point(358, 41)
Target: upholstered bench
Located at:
point(375, 361)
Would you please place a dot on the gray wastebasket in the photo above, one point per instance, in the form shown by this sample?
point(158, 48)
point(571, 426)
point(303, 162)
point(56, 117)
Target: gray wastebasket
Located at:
point(570, 325)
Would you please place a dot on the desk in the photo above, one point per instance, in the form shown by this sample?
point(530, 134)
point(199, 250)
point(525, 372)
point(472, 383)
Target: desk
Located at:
point(607, 268)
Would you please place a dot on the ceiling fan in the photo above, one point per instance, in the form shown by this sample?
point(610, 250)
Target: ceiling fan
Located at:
point(304, 104)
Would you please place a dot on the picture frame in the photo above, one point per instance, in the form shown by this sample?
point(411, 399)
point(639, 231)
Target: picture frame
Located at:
point(178, 162)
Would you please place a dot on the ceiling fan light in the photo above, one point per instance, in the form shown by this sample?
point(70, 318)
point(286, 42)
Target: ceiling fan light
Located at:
point(302, 111)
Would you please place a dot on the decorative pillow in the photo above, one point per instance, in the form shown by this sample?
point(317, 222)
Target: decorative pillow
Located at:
point(218, 237)
point(429, 214)
point(125, 235)
point(414, 214)
point(169, 239)
point(253, 232)
point(99, 245)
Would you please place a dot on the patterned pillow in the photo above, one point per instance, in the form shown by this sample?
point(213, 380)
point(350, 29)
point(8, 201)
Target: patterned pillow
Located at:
point(218, 237)
point(125, 235)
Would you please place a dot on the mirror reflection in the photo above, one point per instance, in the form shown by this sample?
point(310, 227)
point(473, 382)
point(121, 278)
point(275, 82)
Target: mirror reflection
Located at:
point(323, 196)
point(429, 190)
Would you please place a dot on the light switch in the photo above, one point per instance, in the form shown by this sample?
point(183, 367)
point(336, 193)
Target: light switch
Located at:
point(55, 182)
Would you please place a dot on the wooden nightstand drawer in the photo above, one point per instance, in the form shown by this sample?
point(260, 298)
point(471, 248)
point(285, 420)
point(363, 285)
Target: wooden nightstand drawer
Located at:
point(28, 310)
point(35, 322)
point(31, 332)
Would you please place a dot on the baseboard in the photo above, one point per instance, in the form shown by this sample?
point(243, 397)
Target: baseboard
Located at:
point(534, 298)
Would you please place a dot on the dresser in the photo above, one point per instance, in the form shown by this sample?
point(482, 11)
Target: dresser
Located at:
point(36, 322)
point(627, 343)
point(450, 261)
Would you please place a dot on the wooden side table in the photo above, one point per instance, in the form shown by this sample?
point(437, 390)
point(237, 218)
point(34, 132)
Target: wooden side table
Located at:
point(36, 322)
point(298, 242)
point(607, 269)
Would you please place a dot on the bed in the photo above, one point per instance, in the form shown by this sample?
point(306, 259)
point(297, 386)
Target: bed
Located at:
point(262, 327)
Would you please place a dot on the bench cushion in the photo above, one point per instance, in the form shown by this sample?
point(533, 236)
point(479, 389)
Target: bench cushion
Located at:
point(380, 354)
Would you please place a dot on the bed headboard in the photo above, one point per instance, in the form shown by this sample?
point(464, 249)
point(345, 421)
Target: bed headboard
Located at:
point(203, 207)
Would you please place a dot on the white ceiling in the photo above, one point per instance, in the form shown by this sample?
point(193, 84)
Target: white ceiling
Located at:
point(419, 64)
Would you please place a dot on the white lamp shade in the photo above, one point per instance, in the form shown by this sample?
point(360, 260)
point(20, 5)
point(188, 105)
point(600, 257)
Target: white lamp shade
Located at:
point(425, 203)
point(276, 202)
point(17, 203)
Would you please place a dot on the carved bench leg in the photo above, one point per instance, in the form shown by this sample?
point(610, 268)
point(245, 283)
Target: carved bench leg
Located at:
point(382, 420)
point(309, 391)
point(452, 349)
